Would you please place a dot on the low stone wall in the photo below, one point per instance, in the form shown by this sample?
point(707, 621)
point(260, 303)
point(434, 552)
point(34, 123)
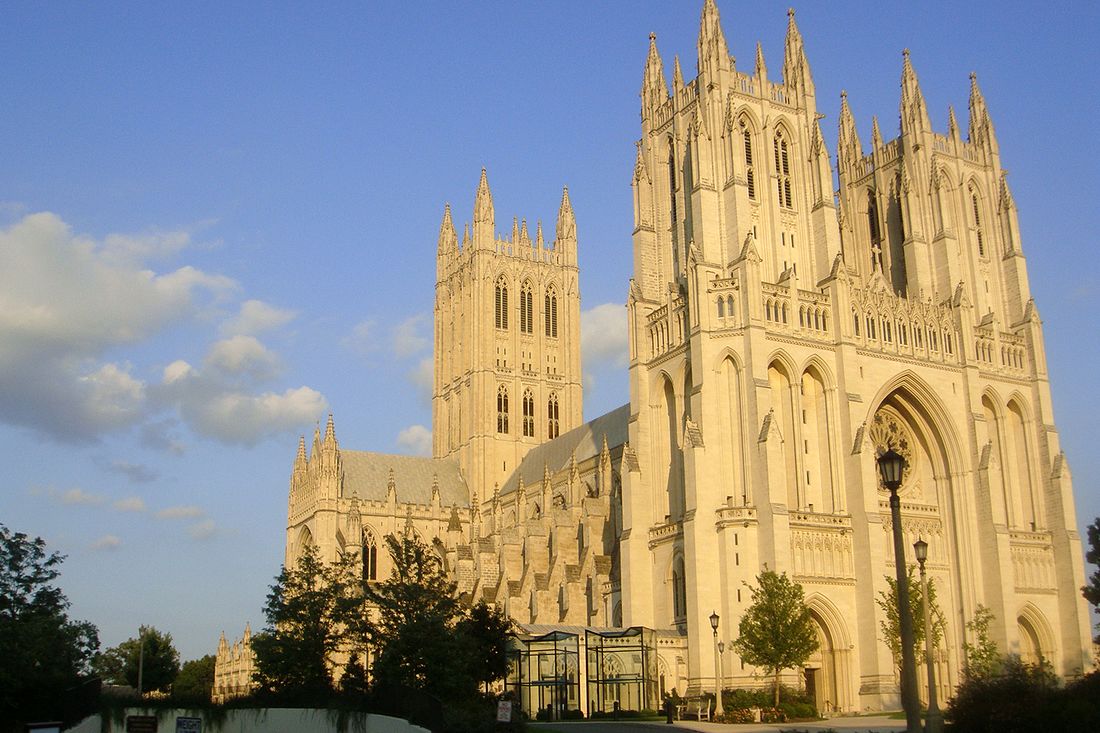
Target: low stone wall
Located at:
point(269, 720)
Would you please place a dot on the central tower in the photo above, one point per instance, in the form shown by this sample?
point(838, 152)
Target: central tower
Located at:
point(507, 341)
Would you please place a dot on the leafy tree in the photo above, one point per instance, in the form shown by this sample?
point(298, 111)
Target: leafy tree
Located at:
point(42, 651)
point(152, 653)
point(413, 630)
point(485, 631)
point(308, 612)
point(1091, 591)
point(776, 632)
point(982, 657)
point(195, 680)
point(891, 625)
point(353, 683)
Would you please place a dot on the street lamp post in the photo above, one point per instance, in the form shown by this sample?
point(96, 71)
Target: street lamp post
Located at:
point(721, 673)
point(718, 710)
point(891, 466)
point(933, 719)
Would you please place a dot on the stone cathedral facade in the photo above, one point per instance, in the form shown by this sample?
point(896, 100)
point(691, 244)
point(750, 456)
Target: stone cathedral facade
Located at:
point(788, 320)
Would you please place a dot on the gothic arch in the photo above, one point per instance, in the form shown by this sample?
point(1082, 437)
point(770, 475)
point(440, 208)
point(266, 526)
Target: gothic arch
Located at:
point(731, 355)
point(924, 403)
point(1036, 637)
point(784, 359)
point(818, 365)
point(829, 666)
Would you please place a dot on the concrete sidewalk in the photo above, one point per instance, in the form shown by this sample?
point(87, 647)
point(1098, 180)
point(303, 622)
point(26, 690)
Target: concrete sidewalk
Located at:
point(865, 724)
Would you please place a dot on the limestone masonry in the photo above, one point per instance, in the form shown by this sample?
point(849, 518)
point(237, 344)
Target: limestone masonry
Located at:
point(782, 332)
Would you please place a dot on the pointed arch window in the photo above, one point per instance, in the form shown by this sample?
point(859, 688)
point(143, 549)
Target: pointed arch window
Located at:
point(526, 309)
point(552, 423)
point(782, 169)
point(502, 304)
point(528, 414)
point(370, 556)
point(502, 409)
point(750, 174)
point(976, 209)
point(551, 312)
point(672, 181)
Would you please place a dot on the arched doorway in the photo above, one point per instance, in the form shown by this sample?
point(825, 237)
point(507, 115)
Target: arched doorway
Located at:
point(826, 673)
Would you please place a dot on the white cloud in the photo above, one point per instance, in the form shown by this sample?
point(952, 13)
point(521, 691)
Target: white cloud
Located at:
point(243, 355)
point(64, 301)
point(78, 497)
point(361, 340)
point(180, 512)
point(416, 438)
point(407, 339)
point(106, 542)
point(130, 504)
point(203, 530)
point(255, 317)
point(604, 336)
point(423, 378)
point(136, 472)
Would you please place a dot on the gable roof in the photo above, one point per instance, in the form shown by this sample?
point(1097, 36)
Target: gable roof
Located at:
point(367, 475)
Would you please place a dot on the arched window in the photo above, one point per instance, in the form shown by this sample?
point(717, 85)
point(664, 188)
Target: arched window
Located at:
point(672, 180)
point(679, 589)
point(750, 175)
point(552, 424)
point(370, 556)
point(528, 414)
point(551, 312)
point(502, 409)
point(526, 309)
point(976, 208)
point(502, 304)
point(782, 170)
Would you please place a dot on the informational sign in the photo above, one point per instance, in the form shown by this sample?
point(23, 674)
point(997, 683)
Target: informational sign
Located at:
point(141, 724)
point(504, 711)
point(188, 725)
point(44, 727)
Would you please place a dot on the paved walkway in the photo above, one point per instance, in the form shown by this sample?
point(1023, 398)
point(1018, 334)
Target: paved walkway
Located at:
point(865, 724)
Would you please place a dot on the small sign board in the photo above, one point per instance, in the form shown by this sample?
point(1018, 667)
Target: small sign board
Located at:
point(141, 724)
point(504, 711)
point(43, 727)
point(188, 725)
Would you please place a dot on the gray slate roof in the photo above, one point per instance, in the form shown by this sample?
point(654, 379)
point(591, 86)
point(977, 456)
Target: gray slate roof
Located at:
point(367, 475)
point(586, 440)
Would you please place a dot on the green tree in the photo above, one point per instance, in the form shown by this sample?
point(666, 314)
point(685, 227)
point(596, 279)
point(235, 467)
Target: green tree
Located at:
point(1091, 591)
point(195, 680)
point(413, 630)
point(309, 612)
point(152, 652)
point(42, 651)
point(891, 625)
point(982, 657)
point(776, 632)
point(485, 631)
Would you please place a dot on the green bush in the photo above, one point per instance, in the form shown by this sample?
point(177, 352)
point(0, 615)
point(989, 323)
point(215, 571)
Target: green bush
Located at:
point(1025, 697)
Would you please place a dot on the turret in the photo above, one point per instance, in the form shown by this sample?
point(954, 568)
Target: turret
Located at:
point(566, 231)
point(654, 87)
point(796, 69)
point(914, 112)
point(448, 238)
point(484, 220)
point(981, 126)
point(761, 67)
point(849, 149)
point(714, 55)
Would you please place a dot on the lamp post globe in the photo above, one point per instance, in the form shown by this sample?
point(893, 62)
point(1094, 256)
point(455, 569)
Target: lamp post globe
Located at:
point(891, 466)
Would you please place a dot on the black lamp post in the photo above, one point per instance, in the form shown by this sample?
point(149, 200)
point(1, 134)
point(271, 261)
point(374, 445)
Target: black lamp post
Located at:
point(891, 466)
point(933, 719)
point(718, 709)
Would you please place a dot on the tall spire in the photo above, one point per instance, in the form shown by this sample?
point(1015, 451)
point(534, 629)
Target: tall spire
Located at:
point(484, 223)
point(654, 86)
point(796, 69)
point(448, 238)
point(330, 430)
point(677, 75)
point(761, 67)
point(714, 54)
point(980, 124)
point(914, 113)
point(952, 122)
point(849, 147)
point(300, 458)
point(567, 223)
point(876, 134)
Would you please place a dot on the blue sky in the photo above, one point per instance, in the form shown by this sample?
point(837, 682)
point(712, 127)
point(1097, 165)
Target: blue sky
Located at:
point(218, 222)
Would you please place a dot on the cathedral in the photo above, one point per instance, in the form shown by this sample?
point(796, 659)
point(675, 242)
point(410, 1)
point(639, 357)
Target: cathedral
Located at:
point(791, 316)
